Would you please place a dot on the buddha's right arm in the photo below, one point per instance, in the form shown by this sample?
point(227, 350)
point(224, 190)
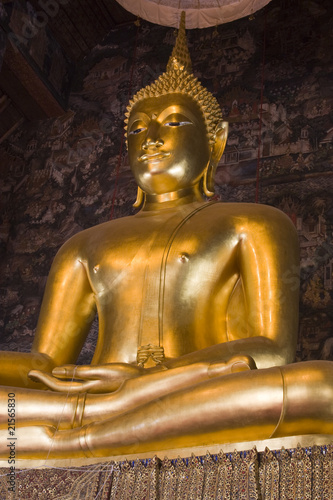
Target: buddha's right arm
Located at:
point(67, 312)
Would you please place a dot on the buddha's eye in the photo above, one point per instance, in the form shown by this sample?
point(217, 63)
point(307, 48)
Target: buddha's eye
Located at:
point(137, 131)
point(177, 124)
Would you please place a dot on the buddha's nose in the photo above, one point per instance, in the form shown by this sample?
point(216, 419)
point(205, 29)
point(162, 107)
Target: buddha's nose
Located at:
point(152, 139)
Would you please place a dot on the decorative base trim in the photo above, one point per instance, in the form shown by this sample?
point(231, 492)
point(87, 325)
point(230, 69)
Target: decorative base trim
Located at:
point(297, 473)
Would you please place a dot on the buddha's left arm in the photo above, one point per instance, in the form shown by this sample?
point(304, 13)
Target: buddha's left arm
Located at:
point(269, 269)
point(268, 264)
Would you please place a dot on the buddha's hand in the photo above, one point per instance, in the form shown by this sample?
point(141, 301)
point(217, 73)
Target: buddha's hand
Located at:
point(235, 364)
point(87, 378)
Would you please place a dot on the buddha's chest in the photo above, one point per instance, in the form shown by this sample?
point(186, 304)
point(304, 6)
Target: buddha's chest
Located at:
point(152, 259)
point(159, 282)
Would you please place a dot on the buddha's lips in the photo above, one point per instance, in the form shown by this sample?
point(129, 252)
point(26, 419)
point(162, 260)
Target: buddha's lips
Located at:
point(153, 156)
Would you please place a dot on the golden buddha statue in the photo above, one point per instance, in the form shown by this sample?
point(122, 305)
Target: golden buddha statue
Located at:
point(197, 304)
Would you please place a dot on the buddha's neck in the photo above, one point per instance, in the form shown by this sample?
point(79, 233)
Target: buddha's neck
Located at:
point(158, 202)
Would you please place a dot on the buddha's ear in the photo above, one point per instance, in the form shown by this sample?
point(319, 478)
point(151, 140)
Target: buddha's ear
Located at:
point(139, 198)
point(220, 139)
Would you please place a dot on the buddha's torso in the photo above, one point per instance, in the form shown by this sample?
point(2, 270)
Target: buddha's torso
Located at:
point(163, 279)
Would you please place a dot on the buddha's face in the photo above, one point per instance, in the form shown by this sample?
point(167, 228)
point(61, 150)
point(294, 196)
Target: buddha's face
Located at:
point(167, 143)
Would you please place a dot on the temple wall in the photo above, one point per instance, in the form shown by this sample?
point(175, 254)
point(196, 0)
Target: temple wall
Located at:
point(59, 176)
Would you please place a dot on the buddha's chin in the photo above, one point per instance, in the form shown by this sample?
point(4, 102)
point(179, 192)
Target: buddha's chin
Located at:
point(155, 169)
point(156, 182)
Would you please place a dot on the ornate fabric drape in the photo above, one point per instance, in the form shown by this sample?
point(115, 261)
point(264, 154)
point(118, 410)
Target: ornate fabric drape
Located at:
point(299, 473)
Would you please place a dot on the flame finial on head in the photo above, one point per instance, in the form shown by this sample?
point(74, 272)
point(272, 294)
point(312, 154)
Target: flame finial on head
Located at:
point(178, 78)
point(180, 58)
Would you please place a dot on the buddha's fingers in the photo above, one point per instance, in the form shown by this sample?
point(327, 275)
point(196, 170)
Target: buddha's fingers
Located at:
point(79, 372)
point(95, 380)
point(234, 365)
point(241, 363)
point(65, 371)
point(107, 371)
point(60, 385)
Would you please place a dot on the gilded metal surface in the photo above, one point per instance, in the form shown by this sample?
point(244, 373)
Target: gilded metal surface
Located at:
point(211, 286)
point(153, 352)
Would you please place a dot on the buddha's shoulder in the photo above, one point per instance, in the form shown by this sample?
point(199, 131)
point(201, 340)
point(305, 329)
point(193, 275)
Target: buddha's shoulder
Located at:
point(252, 210)
point(93, 235)
point(246, 215)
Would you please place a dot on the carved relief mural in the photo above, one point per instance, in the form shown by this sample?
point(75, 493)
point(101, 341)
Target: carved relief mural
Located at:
point(273, 78)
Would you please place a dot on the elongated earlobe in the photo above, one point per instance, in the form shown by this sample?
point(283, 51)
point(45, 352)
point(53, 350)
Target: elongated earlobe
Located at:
point(139, 198)
point(220, 140)
point(209, 193)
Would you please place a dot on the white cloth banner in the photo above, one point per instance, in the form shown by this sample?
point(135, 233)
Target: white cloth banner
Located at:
point(199, 13)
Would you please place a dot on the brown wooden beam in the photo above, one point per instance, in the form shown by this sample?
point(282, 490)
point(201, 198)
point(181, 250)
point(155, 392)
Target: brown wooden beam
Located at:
point(25, 88)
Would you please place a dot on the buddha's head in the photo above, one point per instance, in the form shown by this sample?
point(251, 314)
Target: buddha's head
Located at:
point(175, 132)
